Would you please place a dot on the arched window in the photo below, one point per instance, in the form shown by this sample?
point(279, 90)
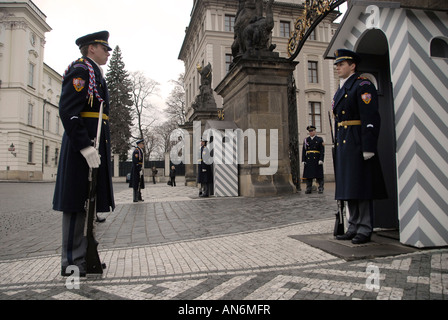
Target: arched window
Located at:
point(439, 48)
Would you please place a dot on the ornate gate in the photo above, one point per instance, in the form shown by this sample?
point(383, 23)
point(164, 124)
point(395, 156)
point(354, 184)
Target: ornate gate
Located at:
point(315, 11)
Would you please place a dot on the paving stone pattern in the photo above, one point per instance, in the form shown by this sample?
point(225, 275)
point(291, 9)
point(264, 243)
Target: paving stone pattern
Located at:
point(177, 246)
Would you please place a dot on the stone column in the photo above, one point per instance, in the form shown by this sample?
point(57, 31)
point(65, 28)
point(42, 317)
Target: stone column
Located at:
point(255, 94)
point(116, 164)
point(190, 168)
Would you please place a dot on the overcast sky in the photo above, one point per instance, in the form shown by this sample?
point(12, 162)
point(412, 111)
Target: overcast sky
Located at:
point(149, 33)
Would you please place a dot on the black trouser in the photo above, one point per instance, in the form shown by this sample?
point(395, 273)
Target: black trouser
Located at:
point(309, 184)
point(74, 242)
point(360, 216)
point(205, 189)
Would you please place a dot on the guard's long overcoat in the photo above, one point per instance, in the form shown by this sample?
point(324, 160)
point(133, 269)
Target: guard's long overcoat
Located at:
point(357, 178)
point(71, 188)
point(137, 165)
point(205, 160)
point(313, 151)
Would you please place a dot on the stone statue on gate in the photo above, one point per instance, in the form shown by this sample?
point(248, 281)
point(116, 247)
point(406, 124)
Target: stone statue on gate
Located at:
point(253, 32)
point(205, 99)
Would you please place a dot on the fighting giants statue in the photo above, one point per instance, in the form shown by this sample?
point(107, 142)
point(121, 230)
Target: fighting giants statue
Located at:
point(252, 30)
point(205, 99)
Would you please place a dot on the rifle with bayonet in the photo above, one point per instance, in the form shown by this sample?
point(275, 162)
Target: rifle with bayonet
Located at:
point(339, 222)
point(93, 262)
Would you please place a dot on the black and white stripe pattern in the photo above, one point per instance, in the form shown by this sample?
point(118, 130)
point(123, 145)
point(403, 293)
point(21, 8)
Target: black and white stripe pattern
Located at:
point(226, 169)
point(420, 89)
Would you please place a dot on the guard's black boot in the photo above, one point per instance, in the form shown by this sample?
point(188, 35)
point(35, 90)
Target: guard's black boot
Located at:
point(321, 186)
point(140, 196)
point(361, 238)
point(346, 236)
point(309, 185)
point(135, 196)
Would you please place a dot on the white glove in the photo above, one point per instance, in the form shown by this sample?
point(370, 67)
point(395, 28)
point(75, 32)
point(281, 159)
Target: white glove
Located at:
point(368, 155)
point(321, 162)
point(141, 172)
point(92, 157)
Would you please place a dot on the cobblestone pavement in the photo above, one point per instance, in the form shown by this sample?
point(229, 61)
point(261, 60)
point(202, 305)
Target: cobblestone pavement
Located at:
point(176, 246)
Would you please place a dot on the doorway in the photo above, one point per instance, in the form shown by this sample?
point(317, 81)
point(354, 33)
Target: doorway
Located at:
point(374, 51)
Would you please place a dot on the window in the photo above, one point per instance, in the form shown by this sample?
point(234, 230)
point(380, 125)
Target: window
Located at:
point(312, 72)
point(56, 155)
point(229, 58)
point(47, 151)
point(47, 122)
point(31, 75)
point(30, 114)
point(284, 29)
point(30, 152)
point(57, 124)
point(313, 35)
point(439, 48)
point(314, 115)
point(229, 23)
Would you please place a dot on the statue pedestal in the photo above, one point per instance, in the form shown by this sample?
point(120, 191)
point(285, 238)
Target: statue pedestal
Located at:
point(255, 94)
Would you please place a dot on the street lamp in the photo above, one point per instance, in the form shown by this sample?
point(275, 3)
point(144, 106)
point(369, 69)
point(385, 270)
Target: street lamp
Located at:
point(12, 149)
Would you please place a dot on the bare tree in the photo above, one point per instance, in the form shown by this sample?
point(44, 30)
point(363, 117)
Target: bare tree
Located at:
point(176, 101)
point(164, 131)
point(143, 89)
point(152, 142)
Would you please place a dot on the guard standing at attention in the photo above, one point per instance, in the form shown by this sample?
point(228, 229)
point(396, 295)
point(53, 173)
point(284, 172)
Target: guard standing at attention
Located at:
point(204, 169)
point(137, 178)
point(83, 90)
point(313, 153)
point(359, 178)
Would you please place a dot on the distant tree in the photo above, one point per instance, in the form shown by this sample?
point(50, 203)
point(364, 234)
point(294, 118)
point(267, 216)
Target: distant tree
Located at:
point(152, 143)
point(120, 88)
point(176, 110)
point(142, 89)
point(164, 132)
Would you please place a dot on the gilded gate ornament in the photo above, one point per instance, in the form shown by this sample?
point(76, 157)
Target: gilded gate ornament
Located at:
point(314, 12)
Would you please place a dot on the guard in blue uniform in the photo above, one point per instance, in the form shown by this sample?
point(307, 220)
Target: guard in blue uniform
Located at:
point(359, 178)
point(313, 154)
point(83, 90)
point(137, 178)
point(205, 177)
